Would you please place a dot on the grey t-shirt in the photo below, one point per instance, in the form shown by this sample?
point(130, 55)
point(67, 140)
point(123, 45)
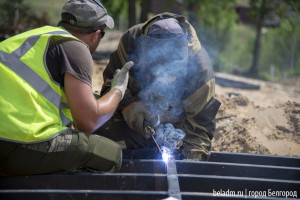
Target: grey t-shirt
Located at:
point(66, 55)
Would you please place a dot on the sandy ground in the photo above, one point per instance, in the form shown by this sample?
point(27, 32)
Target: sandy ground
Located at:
point(264, 121)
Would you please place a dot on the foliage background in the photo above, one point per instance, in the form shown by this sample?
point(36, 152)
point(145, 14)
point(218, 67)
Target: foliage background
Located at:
point(229, 42)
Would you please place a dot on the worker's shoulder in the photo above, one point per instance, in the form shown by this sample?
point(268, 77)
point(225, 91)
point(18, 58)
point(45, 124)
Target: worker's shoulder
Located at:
point(67, 45)
point(63, 49)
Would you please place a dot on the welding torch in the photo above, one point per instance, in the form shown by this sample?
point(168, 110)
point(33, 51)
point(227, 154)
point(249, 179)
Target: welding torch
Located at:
point(150, 130)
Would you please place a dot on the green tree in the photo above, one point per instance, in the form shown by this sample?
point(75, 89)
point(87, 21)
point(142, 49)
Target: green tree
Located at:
point(12, 14)
point(127, 9)
point(260, 10)
point(264, 12)
point(281, 46)
point(118, 10)
point(145, 10)
point(214, 22)
point(131, 13)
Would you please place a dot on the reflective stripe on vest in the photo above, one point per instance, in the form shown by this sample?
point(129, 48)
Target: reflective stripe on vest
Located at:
point(30, 42)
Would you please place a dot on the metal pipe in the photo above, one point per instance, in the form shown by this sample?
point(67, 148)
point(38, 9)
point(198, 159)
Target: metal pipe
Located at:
point(173, 183)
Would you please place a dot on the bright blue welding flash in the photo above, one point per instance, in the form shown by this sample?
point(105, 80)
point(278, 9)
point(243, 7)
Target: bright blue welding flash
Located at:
point(165, 155)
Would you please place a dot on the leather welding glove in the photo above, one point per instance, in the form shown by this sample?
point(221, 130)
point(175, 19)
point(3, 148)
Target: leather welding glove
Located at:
point(135, 114)
point(120, 80)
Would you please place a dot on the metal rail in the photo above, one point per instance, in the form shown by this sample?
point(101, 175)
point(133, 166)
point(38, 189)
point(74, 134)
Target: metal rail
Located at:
point(173, 183)
point(144, 178)
point(259, 159)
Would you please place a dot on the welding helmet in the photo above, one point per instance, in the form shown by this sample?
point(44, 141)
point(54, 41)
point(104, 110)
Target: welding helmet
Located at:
point(162, 59)
point(162, 65)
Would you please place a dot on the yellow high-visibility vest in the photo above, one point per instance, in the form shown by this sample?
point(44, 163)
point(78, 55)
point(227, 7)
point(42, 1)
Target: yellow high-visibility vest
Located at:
point(33, 108)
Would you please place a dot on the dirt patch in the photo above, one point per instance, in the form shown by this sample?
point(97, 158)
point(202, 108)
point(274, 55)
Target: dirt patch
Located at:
point(264, 121)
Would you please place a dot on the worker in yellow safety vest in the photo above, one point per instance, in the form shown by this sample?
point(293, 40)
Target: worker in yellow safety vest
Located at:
point(47, 107)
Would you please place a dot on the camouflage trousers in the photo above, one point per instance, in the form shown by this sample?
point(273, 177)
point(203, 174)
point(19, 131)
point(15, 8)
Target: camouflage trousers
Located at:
point(70, 151)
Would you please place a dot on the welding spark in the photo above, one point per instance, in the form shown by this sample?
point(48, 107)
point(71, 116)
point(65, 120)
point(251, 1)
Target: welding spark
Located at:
point(166, 154)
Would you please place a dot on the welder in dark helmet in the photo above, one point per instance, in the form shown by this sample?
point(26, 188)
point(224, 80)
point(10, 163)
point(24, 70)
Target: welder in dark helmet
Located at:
point(172, 81)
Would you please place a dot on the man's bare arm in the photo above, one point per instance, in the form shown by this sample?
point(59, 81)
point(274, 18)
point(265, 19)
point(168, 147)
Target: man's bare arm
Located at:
point(89, 113)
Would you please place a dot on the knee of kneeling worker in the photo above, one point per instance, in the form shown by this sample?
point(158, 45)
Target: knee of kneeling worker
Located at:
point(103, 154)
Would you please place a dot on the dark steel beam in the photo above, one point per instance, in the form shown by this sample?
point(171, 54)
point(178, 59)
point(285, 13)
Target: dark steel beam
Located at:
point(154, 179)
point(258, 159)
point(208, 196)
point(113, 195)
point(213, 168)
point(143, 166)
point(145, 182)
point(87, 181)
point(148, 153)
point(238, 170)
point(208, 184)
point(143, 153)
point(81, 194)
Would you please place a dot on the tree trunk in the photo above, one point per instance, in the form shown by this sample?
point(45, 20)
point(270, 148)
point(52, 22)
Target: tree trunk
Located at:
point(146, 8)
point(256, 52)
point(293, 50)
point(192, 13)
point(131, 13)
point(17, 18)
